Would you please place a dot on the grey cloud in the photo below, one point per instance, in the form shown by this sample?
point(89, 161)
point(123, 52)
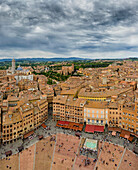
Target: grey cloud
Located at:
point(66, 26)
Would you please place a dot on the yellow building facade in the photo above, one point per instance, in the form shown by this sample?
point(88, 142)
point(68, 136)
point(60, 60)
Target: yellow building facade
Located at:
point(96, 113)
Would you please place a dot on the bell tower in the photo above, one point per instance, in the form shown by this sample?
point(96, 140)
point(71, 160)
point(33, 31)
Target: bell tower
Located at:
point(13, 66)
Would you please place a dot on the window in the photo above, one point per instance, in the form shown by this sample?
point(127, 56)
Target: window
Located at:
point(106, 111)
point(88, 120)
point(97, 111)
point(101, 112)
point(92, 115)
point(92, 121)
point(88, 111)
point(101, 121)
point(97, 116)
point(97, 121)
point(101, 116)
point(88, 115)
point(92, 111)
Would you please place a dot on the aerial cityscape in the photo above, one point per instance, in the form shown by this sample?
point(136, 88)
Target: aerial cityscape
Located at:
point(68, 85)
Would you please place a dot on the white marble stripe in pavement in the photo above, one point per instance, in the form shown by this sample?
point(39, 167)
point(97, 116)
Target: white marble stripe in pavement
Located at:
point(34, 157)
point(53, 153)
point(121, 159)
point(98, 157)
point(76, 155)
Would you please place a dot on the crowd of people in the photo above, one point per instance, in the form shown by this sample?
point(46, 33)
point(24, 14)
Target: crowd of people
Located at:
point(88, 153)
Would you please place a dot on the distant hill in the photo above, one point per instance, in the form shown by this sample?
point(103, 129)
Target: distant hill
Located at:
point(64, 59)
point(46, 59)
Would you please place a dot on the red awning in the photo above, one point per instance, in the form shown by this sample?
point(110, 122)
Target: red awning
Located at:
point(89, 128)
point(28, 134)
point(130, 138)
point(116, 129)
point(43, 125)
point(98, 128)
point(94, 128)
point(122, 135)
point(63, 122)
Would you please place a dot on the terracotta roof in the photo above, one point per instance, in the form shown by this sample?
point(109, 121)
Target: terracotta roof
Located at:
point(96, 104)
point(60, 99)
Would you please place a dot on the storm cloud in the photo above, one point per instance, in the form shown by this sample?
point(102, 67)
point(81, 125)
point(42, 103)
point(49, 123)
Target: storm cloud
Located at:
point(66, 28)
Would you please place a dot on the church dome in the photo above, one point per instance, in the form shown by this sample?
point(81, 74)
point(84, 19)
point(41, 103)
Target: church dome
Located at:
point(19, 68)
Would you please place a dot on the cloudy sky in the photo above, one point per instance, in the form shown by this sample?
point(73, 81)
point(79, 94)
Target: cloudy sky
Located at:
point(69, 28)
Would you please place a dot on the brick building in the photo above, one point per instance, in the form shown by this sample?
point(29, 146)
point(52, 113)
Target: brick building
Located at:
point(68, 69)
point(68, 108)
point(22, 118)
